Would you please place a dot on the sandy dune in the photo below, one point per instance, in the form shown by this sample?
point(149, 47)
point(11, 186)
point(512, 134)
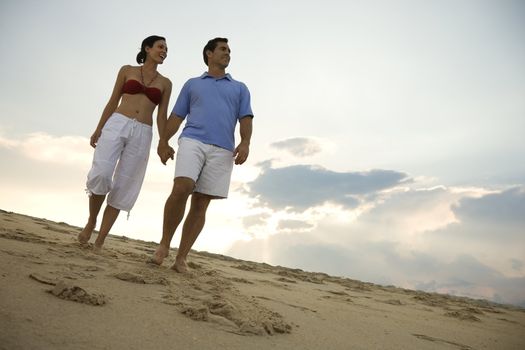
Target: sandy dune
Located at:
point(55, 294)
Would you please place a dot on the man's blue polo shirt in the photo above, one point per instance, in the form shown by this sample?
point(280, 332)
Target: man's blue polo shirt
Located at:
point(212, 107)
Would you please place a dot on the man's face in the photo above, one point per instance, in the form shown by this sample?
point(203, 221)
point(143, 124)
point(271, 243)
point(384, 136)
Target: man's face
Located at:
point(221, 55)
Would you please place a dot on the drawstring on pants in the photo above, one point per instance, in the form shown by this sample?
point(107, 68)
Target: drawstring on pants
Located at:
point(133, 125)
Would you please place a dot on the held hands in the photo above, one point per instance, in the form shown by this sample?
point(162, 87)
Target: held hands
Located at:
point(241, 153)
point(94, 138)
point(165, 151)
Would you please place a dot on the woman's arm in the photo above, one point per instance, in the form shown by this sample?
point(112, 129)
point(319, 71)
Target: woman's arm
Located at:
point(112, 104)
point(162, 114)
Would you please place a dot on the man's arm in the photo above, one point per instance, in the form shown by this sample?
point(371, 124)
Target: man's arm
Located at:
point(242, 151)
point(172, 126)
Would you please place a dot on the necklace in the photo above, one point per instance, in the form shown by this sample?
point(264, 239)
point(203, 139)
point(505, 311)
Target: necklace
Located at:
point(152, 79)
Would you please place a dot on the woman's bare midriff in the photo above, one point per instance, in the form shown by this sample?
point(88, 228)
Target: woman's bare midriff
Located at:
point(137, 107)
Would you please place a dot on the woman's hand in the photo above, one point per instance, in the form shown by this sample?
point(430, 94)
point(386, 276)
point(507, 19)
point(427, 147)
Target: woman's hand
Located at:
point(94, 138)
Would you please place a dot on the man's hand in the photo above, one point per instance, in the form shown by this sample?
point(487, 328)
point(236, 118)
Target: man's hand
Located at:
point(94, 138)
point(165, 152)
point(241, 153)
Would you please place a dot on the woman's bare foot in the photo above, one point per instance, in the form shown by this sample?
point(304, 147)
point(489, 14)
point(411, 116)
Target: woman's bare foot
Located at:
point(84, 235)
point(97, 249)
point(180, 265)
point(159, 255)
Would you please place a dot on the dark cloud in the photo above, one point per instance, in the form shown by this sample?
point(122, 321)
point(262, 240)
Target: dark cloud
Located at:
point(507, 207)
point(299, 146)
point(496, 217)
point(300, 187)
point(517, 265)
point(255, 220)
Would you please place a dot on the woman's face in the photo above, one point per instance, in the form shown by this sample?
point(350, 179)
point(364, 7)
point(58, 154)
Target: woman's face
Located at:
point(158, 52)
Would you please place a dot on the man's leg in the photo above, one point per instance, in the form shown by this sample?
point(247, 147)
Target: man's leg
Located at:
point(95, 203)
point(192, 228)
point(108, 219)
point(173, 214)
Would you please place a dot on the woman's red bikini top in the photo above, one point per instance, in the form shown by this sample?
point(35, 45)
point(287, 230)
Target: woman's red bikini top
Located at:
point(133, 87)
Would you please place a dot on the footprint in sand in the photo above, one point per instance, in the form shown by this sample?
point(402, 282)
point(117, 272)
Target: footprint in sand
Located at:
point(285, 280)
point(55, 229)
point(240, 280)
point(43, 279)
point(22, 255)
point(302, 276)
point(442, 341)
point(392, 302)
point(247, 267)
point(67, 291)
point(212, 298)
point(141, 279)
point(74, 293)
point(303, 308)
point(464, 315)
point(193, 265)
point(23, 236)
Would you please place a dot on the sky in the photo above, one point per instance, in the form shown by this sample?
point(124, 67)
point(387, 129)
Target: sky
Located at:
point(388, 135)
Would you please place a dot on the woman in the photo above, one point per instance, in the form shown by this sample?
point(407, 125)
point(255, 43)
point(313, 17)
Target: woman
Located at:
point(123, 135)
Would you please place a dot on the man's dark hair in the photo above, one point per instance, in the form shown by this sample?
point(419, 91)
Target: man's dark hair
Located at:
point(211, 45)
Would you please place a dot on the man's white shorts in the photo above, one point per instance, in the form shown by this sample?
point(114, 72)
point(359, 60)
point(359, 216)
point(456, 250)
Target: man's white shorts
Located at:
point(208, 165)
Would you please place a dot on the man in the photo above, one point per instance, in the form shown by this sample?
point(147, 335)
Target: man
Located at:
point(212, 105)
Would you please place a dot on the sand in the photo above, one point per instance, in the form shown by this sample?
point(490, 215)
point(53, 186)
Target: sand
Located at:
point(57, 294)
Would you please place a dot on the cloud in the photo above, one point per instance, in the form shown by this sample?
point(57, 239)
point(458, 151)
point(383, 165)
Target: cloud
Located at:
point(467, 276)
point(255, 220)
point(517, 264)
point(507, 206)
point(300, 187)
point(42, 147)
point(491, 222)
point(380, 262)
point(299, 146)
point(294, 225)
point(7, 143)
point(445, 240)
point(60, 155)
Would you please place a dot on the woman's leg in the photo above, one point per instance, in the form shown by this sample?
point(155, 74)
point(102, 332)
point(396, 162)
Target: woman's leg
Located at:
point(95, 203)
point(99, 179)
point(108, 219)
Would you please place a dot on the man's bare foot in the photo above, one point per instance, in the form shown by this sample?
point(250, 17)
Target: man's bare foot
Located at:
point(84, 235)
point(97, 249)
point(159, 255)
point(180, 265)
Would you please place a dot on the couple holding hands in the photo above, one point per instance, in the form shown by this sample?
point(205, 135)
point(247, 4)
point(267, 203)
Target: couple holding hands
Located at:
point(211, 104)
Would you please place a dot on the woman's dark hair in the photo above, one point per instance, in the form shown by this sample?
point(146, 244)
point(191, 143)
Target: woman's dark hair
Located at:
point(211, 45)
point(148, 42)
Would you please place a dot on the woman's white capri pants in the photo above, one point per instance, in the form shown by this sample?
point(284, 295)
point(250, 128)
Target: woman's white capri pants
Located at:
point(120, 161)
